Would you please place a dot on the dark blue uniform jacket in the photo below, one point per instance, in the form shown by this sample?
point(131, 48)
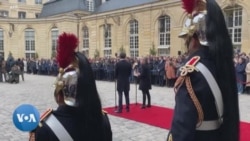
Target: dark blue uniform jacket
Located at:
point(185, 114)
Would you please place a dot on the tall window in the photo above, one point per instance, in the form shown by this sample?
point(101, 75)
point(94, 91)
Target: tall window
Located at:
point(86, 41)
point(1, 43)
point(233, 17)
point(4, 13)
point(90, 5)
point(54, 37)
point(107, 40)
point(134, 39)
point(30, 43)
point(38, 1)
point(21, 15)
point(164, 36)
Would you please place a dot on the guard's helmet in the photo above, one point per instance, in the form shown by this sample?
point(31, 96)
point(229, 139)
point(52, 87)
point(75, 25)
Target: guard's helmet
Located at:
point(196, 21)
point(75, 79)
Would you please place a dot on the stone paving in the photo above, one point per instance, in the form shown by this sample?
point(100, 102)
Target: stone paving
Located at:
point(38, 91)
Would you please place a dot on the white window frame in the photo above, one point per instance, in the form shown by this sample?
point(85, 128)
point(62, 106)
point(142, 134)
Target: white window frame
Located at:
point(233, 17)
point(4, 13)
point(85, 41)
point(164, 35)
point(90, 5)
point(38, 1)
point(30, 49)
point(22, 1)
point(1, 42)
point(107, 53)
point(107, 40)
point(21, 15)
point(54, 38)
point(163, 51)
point(134, 38)
point(85, 38)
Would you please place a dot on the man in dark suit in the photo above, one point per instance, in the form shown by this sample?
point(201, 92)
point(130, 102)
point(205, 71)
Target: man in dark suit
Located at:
point(122, 72)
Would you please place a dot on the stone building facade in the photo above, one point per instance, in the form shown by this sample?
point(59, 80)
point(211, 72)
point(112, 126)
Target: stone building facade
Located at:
point(29, 28)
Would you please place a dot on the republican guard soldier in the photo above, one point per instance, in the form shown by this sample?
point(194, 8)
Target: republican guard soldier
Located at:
point(79, 116)
point(206, 94)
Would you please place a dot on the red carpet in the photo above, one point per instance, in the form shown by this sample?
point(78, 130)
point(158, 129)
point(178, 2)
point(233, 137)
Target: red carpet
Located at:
point(162, 117)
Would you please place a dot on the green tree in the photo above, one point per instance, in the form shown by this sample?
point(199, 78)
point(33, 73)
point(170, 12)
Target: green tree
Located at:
point(97, 53)
point(152, 50)
point(10, 54)
point(53, 54)
point(122, 50)
point(36, 55)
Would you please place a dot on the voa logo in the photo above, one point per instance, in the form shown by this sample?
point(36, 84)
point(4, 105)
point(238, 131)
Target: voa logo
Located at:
point(26, 117)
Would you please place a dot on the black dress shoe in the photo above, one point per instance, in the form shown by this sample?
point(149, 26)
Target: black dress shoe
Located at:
point(127, 110)
point(118, 111)
point(148, 106)
point(143, 107)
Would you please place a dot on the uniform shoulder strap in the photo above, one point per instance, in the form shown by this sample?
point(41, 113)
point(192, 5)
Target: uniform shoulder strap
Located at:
point(214, 88)
point(189, 67)
point(46, 114)
point(58, 129)
point(42, 118)
point(106, 127)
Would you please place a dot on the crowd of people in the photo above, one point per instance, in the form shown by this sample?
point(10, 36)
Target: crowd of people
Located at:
point(11, 68)
point(163, 70)
point(242, 68)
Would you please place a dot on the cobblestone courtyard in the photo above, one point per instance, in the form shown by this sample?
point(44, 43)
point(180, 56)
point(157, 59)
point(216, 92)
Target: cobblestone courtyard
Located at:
point(38, 91)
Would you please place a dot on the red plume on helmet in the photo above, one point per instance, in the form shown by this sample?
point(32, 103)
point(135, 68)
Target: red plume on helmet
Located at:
point(189, 5)
point(66, 46)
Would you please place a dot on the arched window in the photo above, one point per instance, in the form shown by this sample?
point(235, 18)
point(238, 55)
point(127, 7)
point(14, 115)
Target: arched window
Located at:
point(86, 41)
point(134, 39)
point(54, 37)
point(30, 43)
point(107, 40)
point(1, 43)
point(233, 17)
point(164, 36)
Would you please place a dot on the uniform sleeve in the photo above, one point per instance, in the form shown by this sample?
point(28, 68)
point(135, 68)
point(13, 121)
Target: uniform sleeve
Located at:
point(107, 128)
point(42, 134)
point(185, 116)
